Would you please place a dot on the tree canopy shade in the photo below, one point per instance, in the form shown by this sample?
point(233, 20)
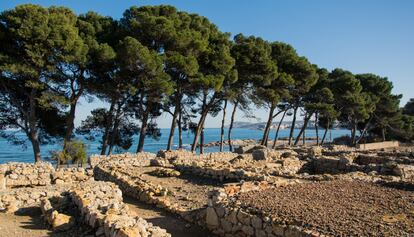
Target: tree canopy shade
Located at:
point(158, 59)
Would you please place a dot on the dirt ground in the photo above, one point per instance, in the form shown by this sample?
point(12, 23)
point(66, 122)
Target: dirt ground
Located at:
point(189, 192)
point(174, 225)
point(339, 208)
point(29, 223)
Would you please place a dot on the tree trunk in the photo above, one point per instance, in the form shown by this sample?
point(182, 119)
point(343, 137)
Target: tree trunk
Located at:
point(268, 124)
point(205, 109)
point(70, 123)
point(33, 132)
point(236, 103)
point(304, 136)
point(143, 132)
point(326, 131)
point(222, 126)
point(353, 134)
point(362, 135)
point(105, 137)
point(277, 131)
point(383, 134)
point(180, 130)
point(114, 129)
point(172, 129)
point(305, 124)
point(316, 129)
point(293, 125)
point(202, 141)
point(177, 111)
point(198, 130)
point(34, 139)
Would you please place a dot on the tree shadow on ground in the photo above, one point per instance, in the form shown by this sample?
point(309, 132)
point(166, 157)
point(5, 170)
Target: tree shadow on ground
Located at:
point(174, 224)
point(406, 186)
point(35, 221)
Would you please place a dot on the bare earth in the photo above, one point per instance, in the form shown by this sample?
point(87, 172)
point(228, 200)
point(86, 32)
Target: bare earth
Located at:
point(189, 192)
point(339, 208)
point(173, 224)
point(30, 224)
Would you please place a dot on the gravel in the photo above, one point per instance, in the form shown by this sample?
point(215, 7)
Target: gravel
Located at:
point(339, 208)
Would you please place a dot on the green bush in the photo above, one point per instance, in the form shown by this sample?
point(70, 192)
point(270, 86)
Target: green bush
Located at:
point(74, 152)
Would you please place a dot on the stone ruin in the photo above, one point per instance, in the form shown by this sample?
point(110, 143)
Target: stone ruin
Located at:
point(251, 167)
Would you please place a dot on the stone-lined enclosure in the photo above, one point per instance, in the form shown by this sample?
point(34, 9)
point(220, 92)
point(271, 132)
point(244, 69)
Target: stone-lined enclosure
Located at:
point(199, 188)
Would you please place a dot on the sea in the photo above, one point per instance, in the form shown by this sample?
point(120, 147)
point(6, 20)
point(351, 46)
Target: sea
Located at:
point(19, 153)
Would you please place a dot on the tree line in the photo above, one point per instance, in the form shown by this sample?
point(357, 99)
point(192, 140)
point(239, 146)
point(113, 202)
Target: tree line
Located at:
point(157, 59)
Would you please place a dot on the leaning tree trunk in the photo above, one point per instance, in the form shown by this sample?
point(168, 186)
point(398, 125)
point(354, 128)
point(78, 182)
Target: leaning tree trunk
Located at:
point(205, 109)
point(70, 125)
point(172, 129)
point(143, 132)
point(316, 129)
point(305, 124)
point(202, 141)
point(277, 130)
point(198, 130)
point(236, 103)
point(292, 126)
point(108, 125)
point(222, 126)
point(174, 122)
point(324, 134)
point(267, 128)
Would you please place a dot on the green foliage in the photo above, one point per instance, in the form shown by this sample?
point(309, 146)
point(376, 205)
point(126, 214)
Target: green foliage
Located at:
point(409, 107)
point(156, 59)
point(74, 152)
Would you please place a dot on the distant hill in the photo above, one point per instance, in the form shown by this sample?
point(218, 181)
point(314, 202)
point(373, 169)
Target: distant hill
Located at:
point(262, 125)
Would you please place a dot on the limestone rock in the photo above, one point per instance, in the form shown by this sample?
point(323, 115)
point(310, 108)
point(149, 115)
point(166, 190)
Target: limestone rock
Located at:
point(62, 222)
point(211, 217)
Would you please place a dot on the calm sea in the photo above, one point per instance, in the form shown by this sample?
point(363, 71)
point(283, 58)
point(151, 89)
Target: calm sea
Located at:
point(9, 152)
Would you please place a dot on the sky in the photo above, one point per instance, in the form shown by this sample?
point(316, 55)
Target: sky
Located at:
point(370, 36)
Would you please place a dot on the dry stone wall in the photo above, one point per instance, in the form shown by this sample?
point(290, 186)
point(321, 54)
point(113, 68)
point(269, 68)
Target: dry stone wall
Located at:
point(13, 200)
point(14, 175)
point(101, 206)
point(146, 192)
point(144, 157)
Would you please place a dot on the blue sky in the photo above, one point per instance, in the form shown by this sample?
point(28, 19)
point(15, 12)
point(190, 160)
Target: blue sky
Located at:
point(374, 36)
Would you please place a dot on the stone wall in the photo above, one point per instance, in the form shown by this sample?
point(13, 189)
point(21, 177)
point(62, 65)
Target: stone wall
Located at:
point(243, 167)
point(14, 175)
point(146, 192)
point(141, 156)
point(3, 170)
point(12, 200)
point(378, 145)
point(227, 218)
point(101, 206)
